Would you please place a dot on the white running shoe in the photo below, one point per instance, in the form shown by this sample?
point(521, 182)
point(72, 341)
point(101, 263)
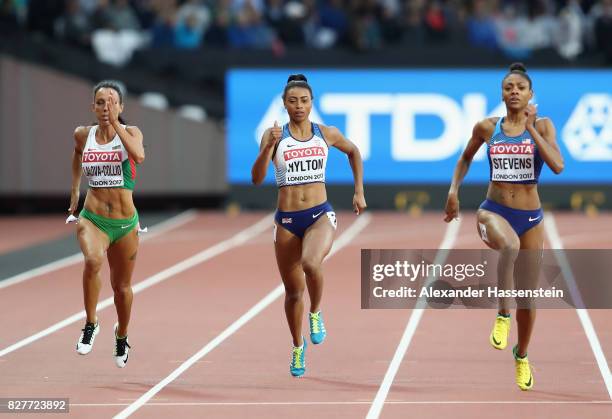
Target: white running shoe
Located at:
point(122, 349)
point(86, 340)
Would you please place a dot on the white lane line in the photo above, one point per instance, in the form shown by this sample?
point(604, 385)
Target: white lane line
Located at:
point(325, 403)
point(171, 223)
point(550, 226)
point(415, 317)
point(345, 238)
point(206, 254)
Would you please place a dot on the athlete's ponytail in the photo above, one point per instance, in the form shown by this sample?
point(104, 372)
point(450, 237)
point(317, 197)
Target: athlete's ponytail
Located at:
point(117, 87)
point(297, 80)
point(521, 70)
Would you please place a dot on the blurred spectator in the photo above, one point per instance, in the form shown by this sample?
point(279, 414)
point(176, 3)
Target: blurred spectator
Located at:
point(290, 29)
point(481, 26)
point(333, 16)
point(101, 17)
point(456, 15)
point(73, 26)
point(315, 35)
point(146, 12)
point(540, 26)
point(516, 27)
point(88, 6)
point(222, 17)
point(391, 7)
point(435, 22)
point(116, 47)
point(257, 6)
point(162, 32)
point(570, 33)
point(188, 33)
point(197, 11)
point(115, 42)
point(249, 31)
point(391, 29)
point(511, 29)
point(412, 23)
point(365, 31)
point(123, 16)
point(274, 14)
point(603, 29)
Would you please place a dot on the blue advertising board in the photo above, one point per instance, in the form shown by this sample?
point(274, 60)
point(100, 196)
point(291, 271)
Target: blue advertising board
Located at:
point(412, 125)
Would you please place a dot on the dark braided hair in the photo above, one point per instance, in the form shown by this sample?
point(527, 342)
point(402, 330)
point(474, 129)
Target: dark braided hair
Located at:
point(521, 70)
point(297, 80)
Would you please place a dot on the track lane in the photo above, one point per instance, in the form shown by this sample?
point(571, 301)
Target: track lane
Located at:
point(452, 361)
point(348, 367)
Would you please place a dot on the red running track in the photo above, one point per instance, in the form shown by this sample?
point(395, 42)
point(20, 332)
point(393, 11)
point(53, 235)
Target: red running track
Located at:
point(449, 368)
point(23, 231)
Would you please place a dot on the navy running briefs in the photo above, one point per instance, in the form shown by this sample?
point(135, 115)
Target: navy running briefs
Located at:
point(297, 222)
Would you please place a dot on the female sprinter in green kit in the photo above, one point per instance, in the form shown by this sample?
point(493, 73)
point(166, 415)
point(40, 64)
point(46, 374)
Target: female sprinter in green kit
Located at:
point(107, 153)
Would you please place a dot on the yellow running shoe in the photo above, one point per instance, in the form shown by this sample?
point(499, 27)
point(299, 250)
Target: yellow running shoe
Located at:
point(524, 375)
point(501, 331)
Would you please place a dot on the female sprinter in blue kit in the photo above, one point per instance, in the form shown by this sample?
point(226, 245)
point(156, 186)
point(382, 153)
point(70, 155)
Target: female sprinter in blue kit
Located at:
point(304, 222)
point(510, 218)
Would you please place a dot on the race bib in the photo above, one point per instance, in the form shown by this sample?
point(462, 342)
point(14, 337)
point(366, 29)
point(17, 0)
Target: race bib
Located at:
point(103, 168)
point(305, 165)
point(512, 162)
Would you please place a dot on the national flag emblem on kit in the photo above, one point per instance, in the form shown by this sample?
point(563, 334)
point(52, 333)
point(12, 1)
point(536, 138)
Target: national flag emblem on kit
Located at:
point(117, 147)
point(527, 141)
point(286, 220)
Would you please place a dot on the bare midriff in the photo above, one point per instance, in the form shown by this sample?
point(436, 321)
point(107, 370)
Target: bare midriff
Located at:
point(114, 203)
point(301, 197)
point(515, 195)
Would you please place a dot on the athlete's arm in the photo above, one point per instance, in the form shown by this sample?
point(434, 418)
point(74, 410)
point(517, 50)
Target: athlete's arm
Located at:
point(544, 134)
point(80, 137)
point(131, 137)
point(479, 133)
point(334, 137)
point(132, 140)
point(268, 141)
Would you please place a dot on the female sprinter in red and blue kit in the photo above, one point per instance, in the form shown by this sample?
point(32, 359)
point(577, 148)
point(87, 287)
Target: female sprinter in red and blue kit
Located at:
point(304, 222)
point(510, 218)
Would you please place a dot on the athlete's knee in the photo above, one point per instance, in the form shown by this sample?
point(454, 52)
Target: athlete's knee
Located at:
point(122, 289)
point(93, 262)
point(508, 252)
point(311, 267)
point(510, 245)
point(483, 217)
point(294, 294)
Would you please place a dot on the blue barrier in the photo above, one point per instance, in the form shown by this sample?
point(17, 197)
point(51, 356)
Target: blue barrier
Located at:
point(411, 125)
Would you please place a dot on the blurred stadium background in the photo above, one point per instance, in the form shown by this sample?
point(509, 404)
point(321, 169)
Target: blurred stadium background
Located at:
point(404, 79)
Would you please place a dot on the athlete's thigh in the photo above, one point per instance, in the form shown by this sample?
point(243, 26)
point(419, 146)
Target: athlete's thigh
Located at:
point(495, 230)
point(288, 250)
point(533, 238)
point(527, 268)
point(92, 240)
point(122, 258)
point(318, 239)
